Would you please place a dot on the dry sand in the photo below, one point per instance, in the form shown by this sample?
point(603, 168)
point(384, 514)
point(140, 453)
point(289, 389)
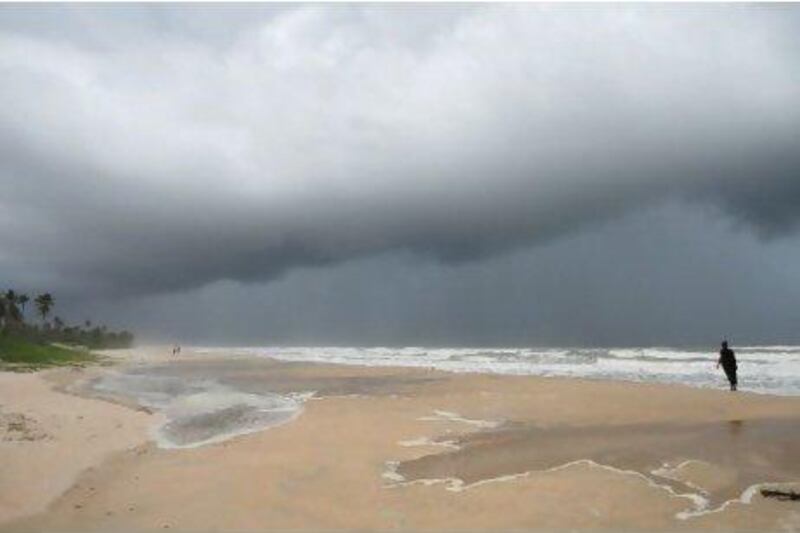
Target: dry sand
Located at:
point(521, 452)
point(48, 438)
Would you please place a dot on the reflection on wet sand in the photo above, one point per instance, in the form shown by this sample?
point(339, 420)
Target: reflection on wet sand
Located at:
point(719, 460)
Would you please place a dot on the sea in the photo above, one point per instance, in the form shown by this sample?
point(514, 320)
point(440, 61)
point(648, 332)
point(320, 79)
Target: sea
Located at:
point(762, 369)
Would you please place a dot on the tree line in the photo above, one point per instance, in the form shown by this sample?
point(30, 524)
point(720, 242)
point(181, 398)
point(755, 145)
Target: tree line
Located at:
point(13, 321)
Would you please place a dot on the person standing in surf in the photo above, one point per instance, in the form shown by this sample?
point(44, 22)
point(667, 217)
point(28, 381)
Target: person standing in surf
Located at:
point(728, 361)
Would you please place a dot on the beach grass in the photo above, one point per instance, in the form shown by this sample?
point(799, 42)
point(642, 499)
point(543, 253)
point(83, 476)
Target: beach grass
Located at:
point(21, 355)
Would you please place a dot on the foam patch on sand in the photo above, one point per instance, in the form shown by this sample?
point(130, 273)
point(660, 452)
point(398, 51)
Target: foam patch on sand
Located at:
point(676, 473)
point(448, 416)
point(425, 441)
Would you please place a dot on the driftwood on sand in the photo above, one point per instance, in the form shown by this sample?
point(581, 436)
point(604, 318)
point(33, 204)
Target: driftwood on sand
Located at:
point(785, 495)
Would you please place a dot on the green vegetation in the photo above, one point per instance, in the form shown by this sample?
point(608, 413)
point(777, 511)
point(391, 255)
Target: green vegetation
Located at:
point(26, 345)
point(19, 354)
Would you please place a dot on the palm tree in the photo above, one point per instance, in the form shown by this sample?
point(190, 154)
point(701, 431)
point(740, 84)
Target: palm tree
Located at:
point(9, 311)
point(44, 302)
point(3, 310)
point(22, 299)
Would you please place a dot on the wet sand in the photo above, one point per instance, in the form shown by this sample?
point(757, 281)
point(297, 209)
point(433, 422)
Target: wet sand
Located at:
point(408, 448)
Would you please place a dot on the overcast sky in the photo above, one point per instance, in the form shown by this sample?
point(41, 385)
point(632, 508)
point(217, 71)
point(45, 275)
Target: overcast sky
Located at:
point(406, 174)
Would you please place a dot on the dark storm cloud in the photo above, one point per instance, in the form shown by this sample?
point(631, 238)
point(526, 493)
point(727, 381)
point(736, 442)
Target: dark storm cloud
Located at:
point(674, 275)
point(155, 149)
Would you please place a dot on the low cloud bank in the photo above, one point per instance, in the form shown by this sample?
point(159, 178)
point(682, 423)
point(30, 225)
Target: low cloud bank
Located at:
point(166, 160)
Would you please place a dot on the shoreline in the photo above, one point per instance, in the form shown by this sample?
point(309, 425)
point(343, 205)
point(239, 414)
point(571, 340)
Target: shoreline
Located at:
point(341, 445)
point(155, 356)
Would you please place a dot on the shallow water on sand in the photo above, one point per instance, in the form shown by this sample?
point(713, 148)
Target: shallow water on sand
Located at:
point(198, 411)
point(718, 461)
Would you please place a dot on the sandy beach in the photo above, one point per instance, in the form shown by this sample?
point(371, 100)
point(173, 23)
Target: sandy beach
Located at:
point(370, 266)
point(388, 448)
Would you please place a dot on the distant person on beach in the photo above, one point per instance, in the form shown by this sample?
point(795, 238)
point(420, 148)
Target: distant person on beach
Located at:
point(728, 361)
point(176, 349)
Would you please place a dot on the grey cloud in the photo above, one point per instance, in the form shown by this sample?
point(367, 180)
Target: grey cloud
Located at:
point(194, 145)
point(667, 276)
